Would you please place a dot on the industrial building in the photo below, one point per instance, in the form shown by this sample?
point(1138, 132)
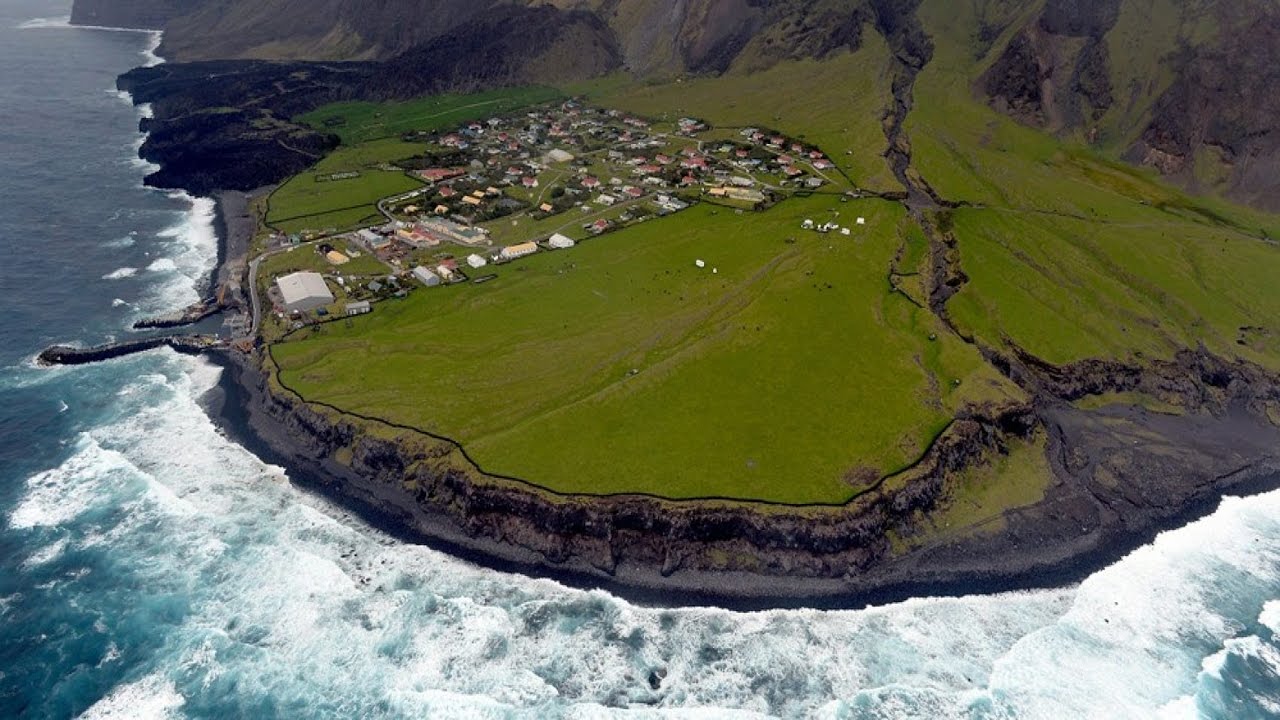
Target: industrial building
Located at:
point(511, 252)
point(304, 291)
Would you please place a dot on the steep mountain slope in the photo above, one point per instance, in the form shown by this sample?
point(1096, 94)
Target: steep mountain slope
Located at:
point(316, 29)
point(226, 124)
point(1184, 86)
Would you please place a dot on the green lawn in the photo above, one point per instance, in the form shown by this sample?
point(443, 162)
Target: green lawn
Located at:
point(357, 122)
point(304, 257)
point(310, 202)
point(1067, 289)
point(771, 379)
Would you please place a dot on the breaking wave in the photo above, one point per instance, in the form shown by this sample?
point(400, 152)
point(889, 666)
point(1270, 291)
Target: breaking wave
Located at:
point(121, 273)
point(291, 601)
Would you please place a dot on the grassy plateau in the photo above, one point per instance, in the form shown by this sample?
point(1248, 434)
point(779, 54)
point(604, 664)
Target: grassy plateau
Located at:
point(619, 366)
point(789, 369)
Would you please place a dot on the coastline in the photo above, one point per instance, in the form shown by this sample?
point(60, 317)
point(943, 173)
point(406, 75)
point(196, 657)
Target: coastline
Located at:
point(1041, 546)
point(839, 561)
point(1073, 532)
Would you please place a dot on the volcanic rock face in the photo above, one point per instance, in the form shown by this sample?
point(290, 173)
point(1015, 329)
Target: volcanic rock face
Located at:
point(1217, 126)
point(1055, 72)
point(201, 147)
point(1213, 127)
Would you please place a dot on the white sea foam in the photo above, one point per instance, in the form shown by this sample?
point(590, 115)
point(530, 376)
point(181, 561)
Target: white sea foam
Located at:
point(190, 250)
point(63, 22)
point(152, 698)
point(151, 59)
point(1270, 617)
point(49, 23)
point(124, 242)
point(121, 273)
point(56, 496)
point(46, 554)
point(294, 601)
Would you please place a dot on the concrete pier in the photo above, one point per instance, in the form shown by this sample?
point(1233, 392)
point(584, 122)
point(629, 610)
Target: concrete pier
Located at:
point(67, 355)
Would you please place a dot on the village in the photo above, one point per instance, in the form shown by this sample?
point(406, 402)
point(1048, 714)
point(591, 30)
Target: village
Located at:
point(501, 189)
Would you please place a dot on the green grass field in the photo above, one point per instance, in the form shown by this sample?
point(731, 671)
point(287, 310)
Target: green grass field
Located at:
point(308, 202)
point(1073, 255)
point(771, 379)
point(1068, 289)
point(358, 122)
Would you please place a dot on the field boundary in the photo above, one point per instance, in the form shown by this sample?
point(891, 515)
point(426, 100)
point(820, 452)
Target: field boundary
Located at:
point(857, 495)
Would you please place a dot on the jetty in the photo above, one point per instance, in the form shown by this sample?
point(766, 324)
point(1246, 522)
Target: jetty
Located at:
point(186, 344)
point(190, 315)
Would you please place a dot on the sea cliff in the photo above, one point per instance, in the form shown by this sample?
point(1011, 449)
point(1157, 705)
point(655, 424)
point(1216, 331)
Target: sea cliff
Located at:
point(1108, 495)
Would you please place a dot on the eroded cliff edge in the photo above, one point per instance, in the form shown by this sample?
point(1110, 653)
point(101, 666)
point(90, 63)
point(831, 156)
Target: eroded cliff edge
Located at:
point(1109, 493)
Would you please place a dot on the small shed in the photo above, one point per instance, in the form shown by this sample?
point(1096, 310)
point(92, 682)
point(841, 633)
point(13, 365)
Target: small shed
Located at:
point(359, 308)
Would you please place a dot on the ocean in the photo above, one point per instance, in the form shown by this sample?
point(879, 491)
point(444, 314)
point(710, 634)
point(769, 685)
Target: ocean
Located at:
point(152, 568)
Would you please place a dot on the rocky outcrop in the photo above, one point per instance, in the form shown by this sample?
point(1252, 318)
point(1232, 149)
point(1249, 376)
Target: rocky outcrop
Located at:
point(225, 125)
point(1055, 73)
point(1217, 125)
point(1211, 127)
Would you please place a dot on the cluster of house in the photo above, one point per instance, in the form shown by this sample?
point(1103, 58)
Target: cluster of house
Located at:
point(552, 159)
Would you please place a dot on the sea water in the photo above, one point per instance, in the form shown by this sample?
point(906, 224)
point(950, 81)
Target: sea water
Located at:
point(151, 568)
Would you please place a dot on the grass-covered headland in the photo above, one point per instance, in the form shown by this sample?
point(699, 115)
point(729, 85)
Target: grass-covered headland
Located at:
point(792, 366)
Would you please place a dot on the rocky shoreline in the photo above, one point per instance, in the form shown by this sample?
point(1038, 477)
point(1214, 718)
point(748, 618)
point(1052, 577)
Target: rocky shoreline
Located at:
point(1109, 495)
point(674, 553)
point(1121, 474)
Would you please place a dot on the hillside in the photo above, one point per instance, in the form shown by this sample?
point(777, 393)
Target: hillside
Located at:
point(1184, 87)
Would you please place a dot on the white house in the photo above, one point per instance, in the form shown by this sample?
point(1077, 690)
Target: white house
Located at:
point(303, 291)
point(560, 242)
point(426, 277)
point(476, 261)
point(511, 252)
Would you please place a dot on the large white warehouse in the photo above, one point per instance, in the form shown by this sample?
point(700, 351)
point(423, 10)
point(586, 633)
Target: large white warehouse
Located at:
point(303, 291)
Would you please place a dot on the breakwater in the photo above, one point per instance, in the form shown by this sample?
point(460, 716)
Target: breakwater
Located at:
point(68, 355)
point(188, 316)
